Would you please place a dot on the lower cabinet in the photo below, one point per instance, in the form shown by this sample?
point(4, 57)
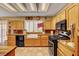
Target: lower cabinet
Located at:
point(11, 40)
point(59, 53)
point(64, 50)
point(43, 41)
point(32, 42)
point(11, 53)
point(36, 42)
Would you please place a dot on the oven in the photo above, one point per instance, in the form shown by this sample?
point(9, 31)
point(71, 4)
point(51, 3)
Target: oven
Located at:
point(51, 48)
point(53, 45)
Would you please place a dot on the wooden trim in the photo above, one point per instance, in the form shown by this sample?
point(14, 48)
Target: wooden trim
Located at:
point(36, 46)
point(10, 52)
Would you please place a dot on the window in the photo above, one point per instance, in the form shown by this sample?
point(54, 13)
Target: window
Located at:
point(3, 31)
point(33, 25)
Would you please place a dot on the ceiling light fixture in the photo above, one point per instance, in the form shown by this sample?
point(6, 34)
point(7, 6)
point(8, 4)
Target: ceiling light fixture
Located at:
point(20, 5)
point(31, 6)
point(43, 6)
point(10, 7)
point(3, 6)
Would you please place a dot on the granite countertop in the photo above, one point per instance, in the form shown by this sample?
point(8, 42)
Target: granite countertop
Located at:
point(4, 50)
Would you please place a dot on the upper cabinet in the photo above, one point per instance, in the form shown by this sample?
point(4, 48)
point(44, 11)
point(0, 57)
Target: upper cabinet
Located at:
point(60, 16)
point(53, 23)
point(71, 15)
point(47, 24)
point(16, 24)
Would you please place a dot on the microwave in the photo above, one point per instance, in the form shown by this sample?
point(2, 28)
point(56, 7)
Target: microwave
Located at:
point(62, 25)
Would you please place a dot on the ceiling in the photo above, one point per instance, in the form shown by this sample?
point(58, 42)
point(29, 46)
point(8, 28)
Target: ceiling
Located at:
point(30, 9)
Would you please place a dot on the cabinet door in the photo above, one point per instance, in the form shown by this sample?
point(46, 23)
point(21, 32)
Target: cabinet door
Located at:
point(11, 40)
point(36, 42)
point(16, 24)
point(72, 15)
point(58, 18)
point(44, 40)
point(12, 24)
point(19, 24)
point(65, 50)
point(28, 42)
point(62, 15)
point(59, 52)
point(47, 24)
point(53, 23)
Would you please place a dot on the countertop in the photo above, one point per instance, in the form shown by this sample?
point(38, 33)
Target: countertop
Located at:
point(4, 50)
point(65, 43)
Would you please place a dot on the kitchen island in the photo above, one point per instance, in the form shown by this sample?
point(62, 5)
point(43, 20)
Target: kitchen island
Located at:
point(7, 50)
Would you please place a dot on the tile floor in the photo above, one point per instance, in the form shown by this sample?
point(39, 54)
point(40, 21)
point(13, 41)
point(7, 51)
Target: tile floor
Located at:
point(32, 51)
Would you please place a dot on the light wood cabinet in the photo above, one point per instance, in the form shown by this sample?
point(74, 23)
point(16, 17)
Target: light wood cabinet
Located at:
point(59, 17)
point(16, 24)
point(59, 53)
point(28, 42)
point(64, 50)
point(63, 15)
point(53, 23)
point(47, 24)
point(36, 42)
point(43, 41)
point(11, 40)
point(72, 15)
point(32, 42)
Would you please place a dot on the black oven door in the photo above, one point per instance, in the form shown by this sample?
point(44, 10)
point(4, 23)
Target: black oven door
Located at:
point(51, 48)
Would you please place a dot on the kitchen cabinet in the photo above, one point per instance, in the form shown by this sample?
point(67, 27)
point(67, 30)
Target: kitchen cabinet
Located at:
point(64, 50)
point(53, 23)
point(71, 15)
point(36, 42)
point(59, 17)
point(59, 53)
point(16, 24)
point(72, 19)
point(32, 42)
point(11, 53)
point(28, 42)
point(11, 40)
point(42, 41)
point(47, 24)
point(63, 15)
